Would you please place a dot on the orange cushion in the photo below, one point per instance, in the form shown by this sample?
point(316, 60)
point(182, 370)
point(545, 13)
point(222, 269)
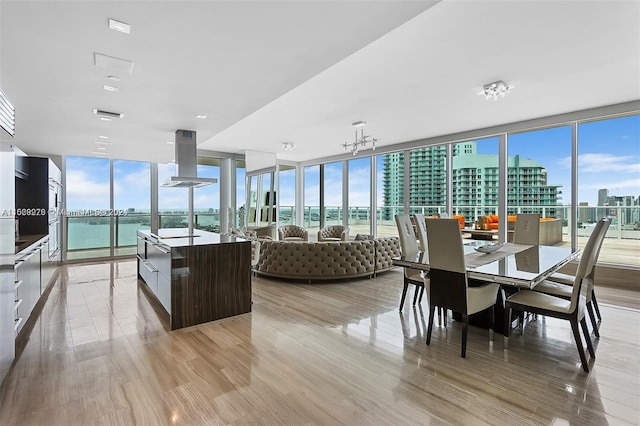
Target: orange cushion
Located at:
point(493, 226)
point(511, 218)
point(460, 220)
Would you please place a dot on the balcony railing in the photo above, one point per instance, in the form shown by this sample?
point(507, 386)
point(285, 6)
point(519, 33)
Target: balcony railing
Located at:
point(88, 236)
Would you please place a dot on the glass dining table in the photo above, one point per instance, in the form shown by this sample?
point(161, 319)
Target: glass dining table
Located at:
point(515, 265)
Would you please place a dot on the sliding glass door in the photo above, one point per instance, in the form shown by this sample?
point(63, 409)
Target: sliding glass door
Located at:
point(106, 202)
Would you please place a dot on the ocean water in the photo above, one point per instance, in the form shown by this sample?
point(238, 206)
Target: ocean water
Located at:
point(93, 232)
point(89, 236)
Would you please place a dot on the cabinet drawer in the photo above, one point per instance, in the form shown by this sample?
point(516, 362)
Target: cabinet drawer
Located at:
point(149, 274)
point(164, 292)
point(160, 258)
point(142, 247)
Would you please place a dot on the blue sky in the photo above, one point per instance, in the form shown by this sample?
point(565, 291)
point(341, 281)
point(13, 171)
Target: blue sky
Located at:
point(608, 157)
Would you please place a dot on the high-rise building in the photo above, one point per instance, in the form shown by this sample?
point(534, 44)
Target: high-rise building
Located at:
point(475, 182)
point(603, 200)
point(619, 208)
point(586, 214)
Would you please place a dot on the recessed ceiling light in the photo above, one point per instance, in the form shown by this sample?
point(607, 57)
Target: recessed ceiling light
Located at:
point(201, 116)
point(102, 143)
point(103, 137)
point(101, 148)
point(106, 119)
point(110, 88)
point(100, 153)
point(119, 26)
point(113, 78)
point(170, 142)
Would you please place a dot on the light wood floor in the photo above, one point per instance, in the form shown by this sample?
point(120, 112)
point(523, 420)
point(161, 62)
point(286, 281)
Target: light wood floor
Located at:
point(325, 354)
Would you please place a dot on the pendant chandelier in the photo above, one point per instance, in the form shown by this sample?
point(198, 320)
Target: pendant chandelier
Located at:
point(361, 140)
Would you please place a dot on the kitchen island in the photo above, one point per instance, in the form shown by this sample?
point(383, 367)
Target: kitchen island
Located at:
point(196, 278)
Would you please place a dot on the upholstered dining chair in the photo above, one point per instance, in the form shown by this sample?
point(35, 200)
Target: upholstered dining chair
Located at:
point(421, 232)
point(409, 249)
point(572, 310)
point(333, 233)
point(527, 229)
point(448, 281)
point(292, 233)
point(561, 285)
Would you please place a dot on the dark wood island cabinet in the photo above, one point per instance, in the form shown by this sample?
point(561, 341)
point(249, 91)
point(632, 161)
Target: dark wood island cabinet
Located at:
point(199, 278)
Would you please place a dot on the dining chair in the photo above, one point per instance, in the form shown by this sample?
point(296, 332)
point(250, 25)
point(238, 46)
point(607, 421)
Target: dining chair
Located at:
point(448, 284)
point(421, 232)
point(409, 248)
point(527, 229)
point(572, 309)
point(561, 285)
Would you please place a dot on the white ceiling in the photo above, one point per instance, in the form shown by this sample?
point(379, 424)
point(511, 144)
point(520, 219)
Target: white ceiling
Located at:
point(266, 72)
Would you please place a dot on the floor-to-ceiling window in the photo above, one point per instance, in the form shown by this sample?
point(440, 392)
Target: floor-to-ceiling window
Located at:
point(206, 199)
point(87, 195)
point(241, 194)
point(390, 192)
point(312, 198)
point(427, 180)
point(539, 175)
point(267, 199)
point(287, 201)
point(359, 213)
point(332, 187)
point(93, 222)
point(108, 200)
point(475, 179)
point(253, 200)
point(609, 185)
point(262, 199)
point(132, 195)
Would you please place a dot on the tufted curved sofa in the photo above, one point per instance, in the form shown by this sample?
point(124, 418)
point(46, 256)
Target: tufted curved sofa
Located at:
point(326, 260)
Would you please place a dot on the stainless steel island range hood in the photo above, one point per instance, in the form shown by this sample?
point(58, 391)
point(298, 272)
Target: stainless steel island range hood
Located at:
point(187, 163)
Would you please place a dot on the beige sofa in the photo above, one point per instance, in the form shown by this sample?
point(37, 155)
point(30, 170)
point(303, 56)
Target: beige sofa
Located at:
point(326, 260)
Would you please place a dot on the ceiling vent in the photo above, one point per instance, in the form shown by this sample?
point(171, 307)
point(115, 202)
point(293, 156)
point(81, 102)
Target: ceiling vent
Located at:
point(113, 63)
point(108, 114)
